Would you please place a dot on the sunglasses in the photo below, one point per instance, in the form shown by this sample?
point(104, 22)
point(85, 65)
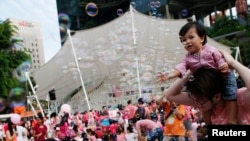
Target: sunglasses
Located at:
point(198, 102)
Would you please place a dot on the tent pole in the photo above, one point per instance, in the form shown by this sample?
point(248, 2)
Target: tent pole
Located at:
point(78, 69)
point(34, 94)
point(135, 47)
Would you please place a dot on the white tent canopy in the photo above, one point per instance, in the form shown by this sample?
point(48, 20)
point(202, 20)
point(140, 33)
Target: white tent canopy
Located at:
point(107, 59)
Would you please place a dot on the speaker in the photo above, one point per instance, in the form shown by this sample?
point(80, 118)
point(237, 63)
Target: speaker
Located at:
point(52, 94)
point(162, 89)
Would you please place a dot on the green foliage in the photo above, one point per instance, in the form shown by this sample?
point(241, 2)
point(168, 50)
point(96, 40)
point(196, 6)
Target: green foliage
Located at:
point(245, 52)
point(224, 25)
point(10, 59)
point(231, 43)
point(6, 32)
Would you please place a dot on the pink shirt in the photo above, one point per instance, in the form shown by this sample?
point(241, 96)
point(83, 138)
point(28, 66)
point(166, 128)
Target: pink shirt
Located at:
point(220, 116)
point(210, 57)
point(131, 108)
point(92, 138)
point(120, 137)
point(146, 124)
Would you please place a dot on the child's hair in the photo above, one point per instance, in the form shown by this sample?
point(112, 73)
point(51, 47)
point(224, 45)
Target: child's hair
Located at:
point(201, 31)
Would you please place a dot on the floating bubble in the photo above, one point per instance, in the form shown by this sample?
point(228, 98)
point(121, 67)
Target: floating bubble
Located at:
point(133, 4)
point(64, 20)
point(119, 12)
point(19, 72)
point(147, 76)
point(16, 92)
point(16, 97)
point(184, 12)
point(91, 9)
point(157, 4)
point(154, 11)
point(159, 15)
point(26, 65)
point(152, 4)
point(16, 42)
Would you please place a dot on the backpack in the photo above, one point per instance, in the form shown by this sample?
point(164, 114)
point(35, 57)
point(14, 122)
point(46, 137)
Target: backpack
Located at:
point(140, 113)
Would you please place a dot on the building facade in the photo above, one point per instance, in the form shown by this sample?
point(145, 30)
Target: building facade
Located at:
point(30, 33)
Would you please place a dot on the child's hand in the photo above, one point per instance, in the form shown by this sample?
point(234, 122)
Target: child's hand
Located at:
point(161, 77)
point(224, 68)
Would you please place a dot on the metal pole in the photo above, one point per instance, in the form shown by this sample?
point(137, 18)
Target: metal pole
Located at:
point(78, 68)
point(32, 108)
point(34, 93)
point(136, 58)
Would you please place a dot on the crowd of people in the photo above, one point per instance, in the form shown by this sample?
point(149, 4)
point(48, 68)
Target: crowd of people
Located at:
point(205, 92)
point(141, 120)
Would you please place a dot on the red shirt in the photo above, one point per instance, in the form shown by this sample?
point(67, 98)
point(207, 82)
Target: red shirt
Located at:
point(40, 129)
point(99, 133)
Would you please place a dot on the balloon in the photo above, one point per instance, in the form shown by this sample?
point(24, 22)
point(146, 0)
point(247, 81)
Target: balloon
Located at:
point(15, 118)
point(65, 108)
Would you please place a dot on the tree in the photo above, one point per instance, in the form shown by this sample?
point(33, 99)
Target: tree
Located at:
point(10, 59)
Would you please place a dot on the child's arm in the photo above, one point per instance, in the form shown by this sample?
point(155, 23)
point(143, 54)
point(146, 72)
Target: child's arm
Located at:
point(161, 77)
point(221, 62)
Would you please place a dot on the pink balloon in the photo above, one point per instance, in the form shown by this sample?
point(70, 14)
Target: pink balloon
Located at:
point(15, 118)
point(65, 108)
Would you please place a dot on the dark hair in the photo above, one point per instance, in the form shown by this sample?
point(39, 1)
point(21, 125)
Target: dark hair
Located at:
point(10, 128)
point(40, 116)
point(129, 101)
point(201, 31)
point(64, 119)
point(206, 82)
point(141, 101)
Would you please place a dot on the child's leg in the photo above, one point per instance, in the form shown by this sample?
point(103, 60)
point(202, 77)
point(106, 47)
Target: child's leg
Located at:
point(231, 107)
point(230, 96)
point(206, 115)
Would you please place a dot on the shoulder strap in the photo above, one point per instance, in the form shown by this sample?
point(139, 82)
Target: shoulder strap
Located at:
point(170, 112)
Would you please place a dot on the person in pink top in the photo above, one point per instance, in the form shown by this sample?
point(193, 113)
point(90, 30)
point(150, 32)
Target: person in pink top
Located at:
point(131, 108)
point(148, 128)
point(201, 54)
point(203, 90)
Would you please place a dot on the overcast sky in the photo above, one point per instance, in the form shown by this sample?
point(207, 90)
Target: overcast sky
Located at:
point(43, 12)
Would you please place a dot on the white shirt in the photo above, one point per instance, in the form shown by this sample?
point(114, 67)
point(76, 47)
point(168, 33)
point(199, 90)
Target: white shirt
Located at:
point(131, 137)
point(21, 133)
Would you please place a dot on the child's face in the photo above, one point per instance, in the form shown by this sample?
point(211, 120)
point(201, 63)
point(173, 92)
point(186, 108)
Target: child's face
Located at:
point(192, 41)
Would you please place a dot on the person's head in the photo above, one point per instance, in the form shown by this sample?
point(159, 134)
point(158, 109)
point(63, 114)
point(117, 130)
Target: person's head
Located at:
point(140, 101)
point(104, 108)
point(129, 102)
point(193, 36)
point(205, 86)
point(40, 118)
